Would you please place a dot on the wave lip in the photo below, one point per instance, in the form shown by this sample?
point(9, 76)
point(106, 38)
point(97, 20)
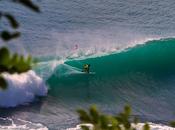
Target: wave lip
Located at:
point(153, 57)
point(22, 89)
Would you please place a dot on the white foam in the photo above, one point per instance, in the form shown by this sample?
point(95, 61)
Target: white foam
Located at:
point(22, 89)
point(103, 50)
point(22, 125)
point(78, 127)
point(46, 69)
point(139, 126)
point(154, 126)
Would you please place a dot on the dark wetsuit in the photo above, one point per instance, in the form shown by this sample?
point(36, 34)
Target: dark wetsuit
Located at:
point(86, 68)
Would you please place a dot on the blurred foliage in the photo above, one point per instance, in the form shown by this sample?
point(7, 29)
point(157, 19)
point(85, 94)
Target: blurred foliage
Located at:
point(100, 121)
point(13, 63)
point(29, 4)
point(172, 124)
point(8, 35)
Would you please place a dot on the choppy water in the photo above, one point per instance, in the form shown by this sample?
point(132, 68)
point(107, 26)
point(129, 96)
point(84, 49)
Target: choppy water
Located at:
point(130, 46)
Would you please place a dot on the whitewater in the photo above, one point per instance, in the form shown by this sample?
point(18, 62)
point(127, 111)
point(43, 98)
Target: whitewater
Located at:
point(129, 45)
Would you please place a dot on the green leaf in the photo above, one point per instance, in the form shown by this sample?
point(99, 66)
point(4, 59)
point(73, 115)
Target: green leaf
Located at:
point(21, 66)
point(127, 124)
point(94, 114)
point(6, 36)
point(83, 127)
point(146, 127)
point(113, 121)
point(29, 4)
point(84, 117)
point(104, 121)
point(29, 59)
point(12, 20)
point(3, 84)
point(0, 15)
point(127, 110)
point(4, 56)
point(14, 59)
point(172, 124)
point(121, 117)
point(118, 127)
point(136, 120)
point(14, 63)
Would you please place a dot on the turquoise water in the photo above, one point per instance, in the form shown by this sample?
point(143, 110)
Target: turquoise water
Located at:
point(131, 49)
point(154, 57)
point(142, 76)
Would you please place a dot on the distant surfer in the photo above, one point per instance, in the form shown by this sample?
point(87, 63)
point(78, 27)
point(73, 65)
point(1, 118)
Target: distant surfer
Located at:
point(75, 47)
point(86, 68)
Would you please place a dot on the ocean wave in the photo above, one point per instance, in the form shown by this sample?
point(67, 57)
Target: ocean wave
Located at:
point(19, 124)
point(154, 57)
point(22, 89)
point(142, 76)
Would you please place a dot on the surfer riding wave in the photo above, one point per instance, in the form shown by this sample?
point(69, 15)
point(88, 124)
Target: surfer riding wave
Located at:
point(86, 68)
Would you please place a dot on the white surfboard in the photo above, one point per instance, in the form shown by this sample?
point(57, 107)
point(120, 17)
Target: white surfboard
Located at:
point(90, 73)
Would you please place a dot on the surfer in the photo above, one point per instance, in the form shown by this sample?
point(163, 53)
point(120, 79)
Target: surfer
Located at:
point(86, 68)
point(75, 47)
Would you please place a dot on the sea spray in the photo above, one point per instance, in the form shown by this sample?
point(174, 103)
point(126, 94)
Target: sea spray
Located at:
point(22, 88)
point(19, 124)
point(156, 57)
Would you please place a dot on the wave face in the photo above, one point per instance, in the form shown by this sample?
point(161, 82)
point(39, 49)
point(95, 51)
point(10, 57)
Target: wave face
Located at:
point(154, 57)
point(22, 89)
point(142, 76)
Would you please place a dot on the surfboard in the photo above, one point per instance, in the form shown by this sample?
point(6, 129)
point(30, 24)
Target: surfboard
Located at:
point(83, 74)
point(93, 73)
point(90, 73)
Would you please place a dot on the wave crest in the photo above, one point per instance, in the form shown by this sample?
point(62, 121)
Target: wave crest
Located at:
point(22, 88)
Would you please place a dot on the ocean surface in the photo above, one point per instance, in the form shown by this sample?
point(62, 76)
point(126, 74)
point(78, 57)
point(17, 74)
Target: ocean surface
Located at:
point(130, 46)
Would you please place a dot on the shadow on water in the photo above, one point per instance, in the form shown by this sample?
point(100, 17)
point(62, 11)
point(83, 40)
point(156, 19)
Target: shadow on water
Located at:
point(75, 86)
point(150, 96)
point(33, 107)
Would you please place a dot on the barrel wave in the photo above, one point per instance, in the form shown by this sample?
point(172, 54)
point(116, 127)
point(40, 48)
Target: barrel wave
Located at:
point(142, 76)
point(154, 57)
